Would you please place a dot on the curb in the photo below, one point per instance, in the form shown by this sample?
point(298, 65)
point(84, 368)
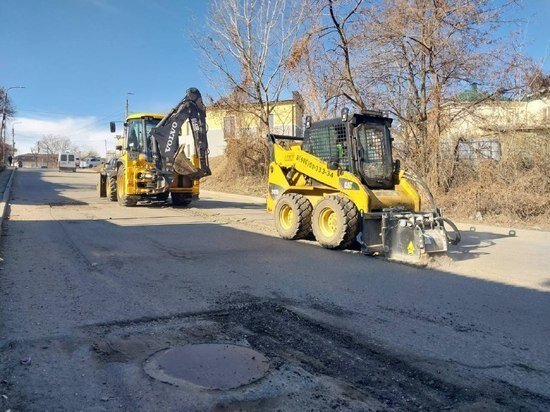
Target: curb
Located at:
point(6, 197)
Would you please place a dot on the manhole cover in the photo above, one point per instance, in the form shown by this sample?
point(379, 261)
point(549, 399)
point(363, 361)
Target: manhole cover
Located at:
point(212, 366)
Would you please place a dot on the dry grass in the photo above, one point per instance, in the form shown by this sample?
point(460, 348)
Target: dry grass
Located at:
point(221, 181)
point(513, 191)
point(242, 170)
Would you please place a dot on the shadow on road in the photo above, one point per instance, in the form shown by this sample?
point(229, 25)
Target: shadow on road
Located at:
point(151, 284)
point(202, 204)
point(25, 189)
point(223, 204)
point(473, 244)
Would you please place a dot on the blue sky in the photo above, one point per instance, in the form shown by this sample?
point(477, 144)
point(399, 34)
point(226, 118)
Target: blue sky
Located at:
point(79, 58)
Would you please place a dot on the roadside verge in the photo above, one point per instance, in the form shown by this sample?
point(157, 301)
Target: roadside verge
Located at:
point(6, 195)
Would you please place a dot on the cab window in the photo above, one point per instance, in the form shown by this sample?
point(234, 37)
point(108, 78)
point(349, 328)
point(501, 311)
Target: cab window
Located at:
point(374, 154)
point(135, 136)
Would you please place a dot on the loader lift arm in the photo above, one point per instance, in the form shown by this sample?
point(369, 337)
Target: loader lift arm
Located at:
point(168, 154)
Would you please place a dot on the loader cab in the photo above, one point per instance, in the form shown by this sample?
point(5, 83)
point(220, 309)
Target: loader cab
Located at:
point(370, 133)
point(360, 144)
point(137, 131)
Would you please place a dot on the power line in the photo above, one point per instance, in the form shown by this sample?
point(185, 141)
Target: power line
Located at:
point(101, 117)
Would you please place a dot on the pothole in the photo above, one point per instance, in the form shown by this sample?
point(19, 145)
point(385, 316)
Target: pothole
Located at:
point(208, 365)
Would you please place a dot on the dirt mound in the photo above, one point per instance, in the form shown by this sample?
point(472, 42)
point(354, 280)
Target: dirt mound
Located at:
point(242, 169)
point(224, 180)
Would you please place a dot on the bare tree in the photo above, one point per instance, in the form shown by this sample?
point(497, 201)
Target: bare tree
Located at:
point(343, 48)
point(88, 153)
point(5, 101)
point(537, 81)
point(412, 57)
point(324, 62)
point(308, 67)
point(248, 44)
point(422, 53)
point(35, 151)
point(53, 144)
point(6, 110)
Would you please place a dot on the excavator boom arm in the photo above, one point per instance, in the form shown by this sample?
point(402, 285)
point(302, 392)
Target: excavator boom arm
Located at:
point(167, 151)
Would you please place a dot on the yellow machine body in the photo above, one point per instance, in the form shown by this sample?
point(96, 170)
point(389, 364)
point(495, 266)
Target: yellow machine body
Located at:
point(294, 170)
point(135, 174)
point(340, 185)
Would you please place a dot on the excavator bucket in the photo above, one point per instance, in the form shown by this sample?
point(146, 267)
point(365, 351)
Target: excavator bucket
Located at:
point(184, 167)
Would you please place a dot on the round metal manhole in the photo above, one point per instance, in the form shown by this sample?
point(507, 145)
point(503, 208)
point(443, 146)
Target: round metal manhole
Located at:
point(211, 366)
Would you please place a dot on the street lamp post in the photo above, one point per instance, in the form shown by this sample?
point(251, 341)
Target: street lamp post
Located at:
point(127, 94)
point(3, 127)
point(13, 139)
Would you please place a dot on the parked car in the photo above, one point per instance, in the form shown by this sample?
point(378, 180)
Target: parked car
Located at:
point(90, 162)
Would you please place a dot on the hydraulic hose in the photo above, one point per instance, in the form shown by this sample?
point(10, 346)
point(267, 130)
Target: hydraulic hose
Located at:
point(456, 239)
point(422, 183)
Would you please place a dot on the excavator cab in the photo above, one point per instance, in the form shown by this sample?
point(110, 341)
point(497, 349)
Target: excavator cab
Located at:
point(133, 178)
point(138, 137)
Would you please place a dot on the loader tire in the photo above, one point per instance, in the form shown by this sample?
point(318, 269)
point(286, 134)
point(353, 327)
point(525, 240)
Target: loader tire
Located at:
point(122, 197)
point(293, 216)
point(162, 197)
point(181, 199)
point(335, 222)
point(102, 186)
point(112, 189)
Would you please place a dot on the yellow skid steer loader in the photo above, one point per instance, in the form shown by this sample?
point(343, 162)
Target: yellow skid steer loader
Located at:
point(340, 185)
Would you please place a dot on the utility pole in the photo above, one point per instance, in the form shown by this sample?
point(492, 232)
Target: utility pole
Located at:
point(13, 139)
point(3, 127)
point(127, 94)
point(36, 153)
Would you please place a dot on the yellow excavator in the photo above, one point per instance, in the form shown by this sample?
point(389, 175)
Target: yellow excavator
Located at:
point(339, 184)
point(152, 164)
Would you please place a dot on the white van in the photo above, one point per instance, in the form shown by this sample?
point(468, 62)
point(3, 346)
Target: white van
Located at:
point(67, 161)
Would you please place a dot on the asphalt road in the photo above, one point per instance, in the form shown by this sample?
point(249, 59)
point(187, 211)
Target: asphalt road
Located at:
point(89, 291)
